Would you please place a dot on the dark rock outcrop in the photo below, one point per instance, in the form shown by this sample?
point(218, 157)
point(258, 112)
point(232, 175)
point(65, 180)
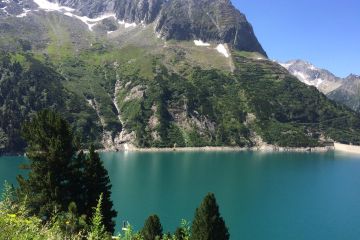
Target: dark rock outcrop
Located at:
point(145, 11)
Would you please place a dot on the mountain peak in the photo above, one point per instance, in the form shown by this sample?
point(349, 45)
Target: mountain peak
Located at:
point(353, 76)
point(311, 75)
point(208, 20)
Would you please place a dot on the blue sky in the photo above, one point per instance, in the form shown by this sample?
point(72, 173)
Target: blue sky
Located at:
point(323, 32)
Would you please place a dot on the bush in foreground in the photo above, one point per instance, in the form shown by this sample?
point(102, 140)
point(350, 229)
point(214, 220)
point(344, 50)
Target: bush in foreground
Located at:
point(16, 223)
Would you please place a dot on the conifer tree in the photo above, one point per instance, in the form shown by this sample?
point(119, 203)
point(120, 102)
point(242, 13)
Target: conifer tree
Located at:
point(51, 152)
point(59, 175)
point(97, 181)
point(208, 224)
point(152, 229)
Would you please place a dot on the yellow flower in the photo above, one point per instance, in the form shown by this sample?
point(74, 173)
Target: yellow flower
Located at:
point(67, 222)
point(12, 215)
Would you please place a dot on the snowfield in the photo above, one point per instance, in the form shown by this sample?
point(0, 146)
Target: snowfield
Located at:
point(90, 22)
point(49, 6)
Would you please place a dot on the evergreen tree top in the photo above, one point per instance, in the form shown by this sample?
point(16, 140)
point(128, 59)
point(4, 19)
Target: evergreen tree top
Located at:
point(208, 223)
point(152, 228)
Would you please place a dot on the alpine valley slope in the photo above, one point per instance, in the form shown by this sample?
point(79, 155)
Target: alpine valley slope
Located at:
point(155, 73)
point(342, 90)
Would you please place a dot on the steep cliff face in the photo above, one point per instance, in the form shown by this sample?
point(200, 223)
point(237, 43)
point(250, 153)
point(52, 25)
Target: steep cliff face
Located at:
point(90, 8)
point(145, 11)
point(208, 20)
point(128, 10)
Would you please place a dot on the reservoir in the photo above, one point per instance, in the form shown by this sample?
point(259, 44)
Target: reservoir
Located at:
point(261, 196)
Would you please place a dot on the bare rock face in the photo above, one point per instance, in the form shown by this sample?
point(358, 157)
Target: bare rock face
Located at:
point(348, 93)
point(128, 10)
point(90, 8)
point(208, 20)
point(14, 7)
point(139, 11)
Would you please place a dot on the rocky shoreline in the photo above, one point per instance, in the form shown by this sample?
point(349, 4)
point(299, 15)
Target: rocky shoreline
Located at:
point(266, 148)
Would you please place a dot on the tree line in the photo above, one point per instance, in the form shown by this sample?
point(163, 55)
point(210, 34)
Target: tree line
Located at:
point(71, 189)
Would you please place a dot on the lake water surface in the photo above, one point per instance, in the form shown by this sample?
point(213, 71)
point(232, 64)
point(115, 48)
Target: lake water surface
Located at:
point(262, 196)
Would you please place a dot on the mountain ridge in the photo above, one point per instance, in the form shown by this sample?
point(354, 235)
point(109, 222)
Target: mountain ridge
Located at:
point(342, 90)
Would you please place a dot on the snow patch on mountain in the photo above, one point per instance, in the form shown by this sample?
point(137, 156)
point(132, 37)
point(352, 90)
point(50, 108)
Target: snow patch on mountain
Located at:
point(91, 22)
point(127, 25)
point(222, 49)
point(200, 43)
point(3, 9)
point(49, 6)
point(24, 14)
point(70, 12)
point(307, 79)
point(285, 65)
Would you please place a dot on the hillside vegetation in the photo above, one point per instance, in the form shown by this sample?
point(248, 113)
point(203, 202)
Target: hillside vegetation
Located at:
point(154, 98)
point(290, 113)
point(28, 85)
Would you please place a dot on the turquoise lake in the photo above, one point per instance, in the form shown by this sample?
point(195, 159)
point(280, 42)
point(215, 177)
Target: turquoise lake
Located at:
point(262, 196)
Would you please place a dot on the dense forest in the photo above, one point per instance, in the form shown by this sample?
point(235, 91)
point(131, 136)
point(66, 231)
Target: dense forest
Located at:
point(27, 86)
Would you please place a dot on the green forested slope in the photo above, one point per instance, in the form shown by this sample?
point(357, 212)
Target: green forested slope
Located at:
point(28, 85)
point(161, 99)
point(290, 113)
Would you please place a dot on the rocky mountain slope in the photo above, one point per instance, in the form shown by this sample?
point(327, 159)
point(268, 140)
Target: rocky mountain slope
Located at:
point(208, 20)
point(322, 79)
point(348, 93)
point(135, 74)
point(342, 90)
